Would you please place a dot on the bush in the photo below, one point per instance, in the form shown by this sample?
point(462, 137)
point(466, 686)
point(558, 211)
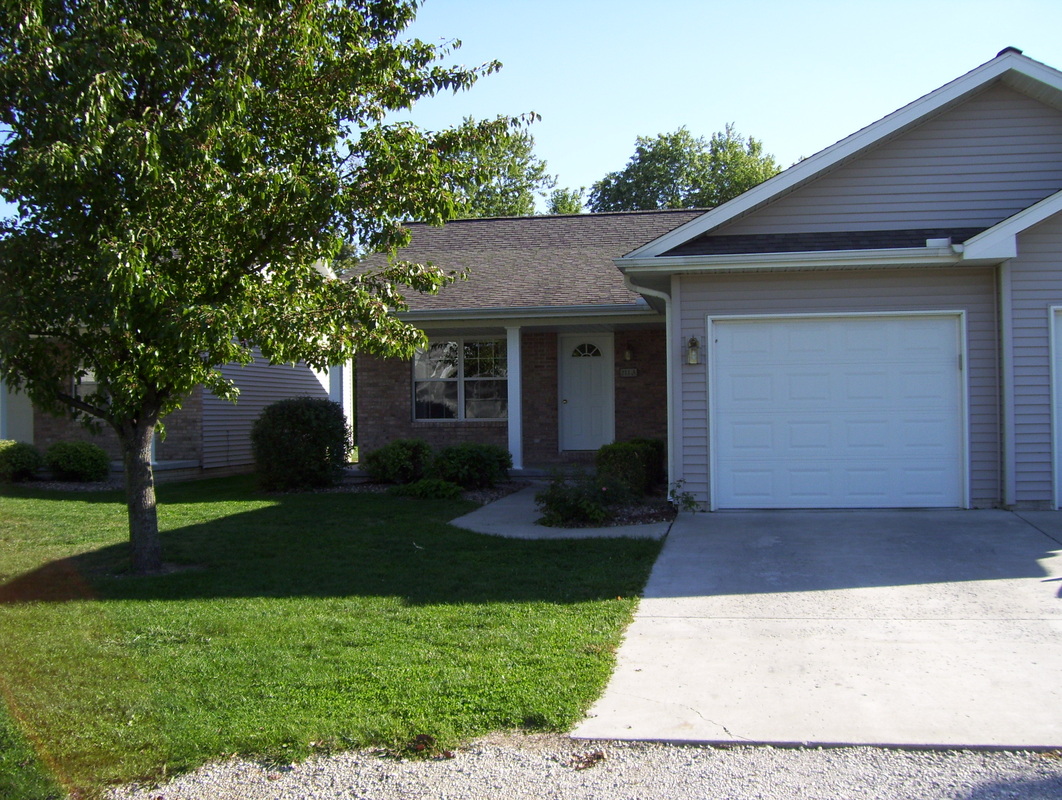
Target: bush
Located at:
point(428, 489)
point(18, 460)
point(400, 461)
point(299, 443)
point(472, 466)
point(580, 501)
point(627, 463)
point(655, 453)
point(78, 461)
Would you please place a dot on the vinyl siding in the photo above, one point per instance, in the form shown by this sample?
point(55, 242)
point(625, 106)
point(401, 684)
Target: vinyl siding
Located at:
point(1036, 285)
point(227, 426)
point(972, 166)
point(972, 291)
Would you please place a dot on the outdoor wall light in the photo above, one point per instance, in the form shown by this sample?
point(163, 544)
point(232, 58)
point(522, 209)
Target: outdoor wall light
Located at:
point(693, 351)
point(628, 354)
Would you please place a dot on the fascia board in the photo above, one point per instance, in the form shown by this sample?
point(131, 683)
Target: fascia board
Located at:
point(827, 259)
point(641, 309)
point(847, 148)
point(1001, 240)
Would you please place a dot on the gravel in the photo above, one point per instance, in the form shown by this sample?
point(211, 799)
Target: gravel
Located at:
point(552, 767)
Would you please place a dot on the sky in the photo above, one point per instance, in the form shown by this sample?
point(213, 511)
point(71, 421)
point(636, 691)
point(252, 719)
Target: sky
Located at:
point(798, 75)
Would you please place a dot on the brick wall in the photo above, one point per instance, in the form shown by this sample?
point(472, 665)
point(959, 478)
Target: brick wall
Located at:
point(641, 401)
point(183, 432)
point(385, 411)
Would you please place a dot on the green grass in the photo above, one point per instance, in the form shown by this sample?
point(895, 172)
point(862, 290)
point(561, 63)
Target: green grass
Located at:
point(301, 623)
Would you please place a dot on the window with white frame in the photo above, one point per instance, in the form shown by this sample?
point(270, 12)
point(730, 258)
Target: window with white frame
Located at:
point(461, 379)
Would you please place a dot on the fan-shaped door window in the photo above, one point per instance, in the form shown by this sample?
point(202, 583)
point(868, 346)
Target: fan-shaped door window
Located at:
point(586, 350)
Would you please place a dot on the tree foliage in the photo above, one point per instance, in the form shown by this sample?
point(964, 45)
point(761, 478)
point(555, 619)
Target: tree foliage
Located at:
point(512, 177)
point(565, 201)
point(183, 172)
point(679, 170)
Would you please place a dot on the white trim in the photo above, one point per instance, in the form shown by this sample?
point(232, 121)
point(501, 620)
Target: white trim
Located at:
point(1000, 241)
point(1054, 328)
point(889, 126)
point(1008, 449)
point(564, 343)
point(3, 410)
point(963, 372)
point(637, 309)
point(824, 259)
point(515, 395)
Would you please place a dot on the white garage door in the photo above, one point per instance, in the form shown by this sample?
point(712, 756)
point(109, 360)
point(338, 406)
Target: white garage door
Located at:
point(837, 412)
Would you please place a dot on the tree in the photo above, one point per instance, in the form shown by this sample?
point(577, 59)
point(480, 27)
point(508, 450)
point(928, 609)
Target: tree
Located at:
point(678, 170)
point(565, 201)
point(184, 171)
point(512, 177)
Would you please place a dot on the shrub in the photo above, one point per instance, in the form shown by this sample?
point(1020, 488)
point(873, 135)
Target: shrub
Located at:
point(78, 461)
point(471, 465)
point(18, 460)
point(655, 453)
point(298, 443)
point(400, 461)
point(428, 489)
point(625, 462)
point(581, 500)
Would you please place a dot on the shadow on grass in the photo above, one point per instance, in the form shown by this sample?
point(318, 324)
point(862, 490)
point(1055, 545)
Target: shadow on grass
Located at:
point(338, 545)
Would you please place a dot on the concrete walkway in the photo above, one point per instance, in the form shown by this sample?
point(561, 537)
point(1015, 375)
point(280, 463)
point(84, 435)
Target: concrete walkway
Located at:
point(514, 516)
point(930, 628)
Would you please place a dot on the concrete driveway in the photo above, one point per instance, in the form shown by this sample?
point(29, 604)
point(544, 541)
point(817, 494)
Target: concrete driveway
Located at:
point(872, 627)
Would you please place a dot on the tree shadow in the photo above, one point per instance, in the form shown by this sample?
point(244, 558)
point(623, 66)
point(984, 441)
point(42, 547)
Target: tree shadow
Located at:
point(348, 545)
point(1049, 788)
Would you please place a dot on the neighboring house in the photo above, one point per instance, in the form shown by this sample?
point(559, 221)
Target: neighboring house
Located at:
point(206, 434)
point(878, 326)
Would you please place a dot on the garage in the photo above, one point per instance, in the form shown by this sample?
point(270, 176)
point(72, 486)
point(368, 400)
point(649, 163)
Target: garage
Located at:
point(837, 411)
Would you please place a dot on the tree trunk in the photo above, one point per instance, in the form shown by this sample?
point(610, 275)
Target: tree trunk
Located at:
point(140, 498)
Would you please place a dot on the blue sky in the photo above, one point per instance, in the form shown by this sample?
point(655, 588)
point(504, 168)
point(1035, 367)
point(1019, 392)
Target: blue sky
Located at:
point(797, 75)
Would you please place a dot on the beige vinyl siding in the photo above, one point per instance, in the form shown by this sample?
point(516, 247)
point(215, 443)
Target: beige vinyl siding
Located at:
point(1036, 285)
point(227, 426)
point(974, 165)
point(972, 291)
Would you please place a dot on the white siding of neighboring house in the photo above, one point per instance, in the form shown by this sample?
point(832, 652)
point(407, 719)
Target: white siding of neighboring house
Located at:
point(974, 165)
point(227, 426)
point(1036, 285)
point(971, 290)
point(16, 416)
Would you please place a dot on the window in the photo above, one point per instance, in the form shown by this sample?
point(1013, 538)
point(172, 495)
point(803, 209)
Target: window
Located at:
point(462, 379)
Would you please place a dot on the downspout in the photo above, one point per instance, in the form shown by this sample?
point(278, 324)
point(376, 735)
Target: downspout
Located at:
point(1006, 365)
point(669, 333)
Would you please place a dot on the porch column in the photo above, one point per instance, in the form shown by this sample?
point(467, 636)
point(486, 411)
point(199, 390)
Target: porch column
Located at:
point(516, 416)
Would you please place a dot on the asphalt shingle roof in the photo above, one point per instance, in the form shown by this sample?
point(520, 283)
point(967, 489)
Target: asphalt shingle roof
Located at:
point(534, 262)
point(711, 245)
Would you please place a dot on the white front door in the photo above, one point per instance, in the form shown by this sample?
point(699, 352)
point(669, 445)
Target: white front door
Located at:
point(587, 404)
point(838, 412)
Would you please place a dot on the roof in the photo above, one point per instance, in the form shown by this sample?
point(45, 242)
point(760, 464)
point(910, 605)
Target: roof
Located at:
point(1009, 67)
point(707, 244)
point(534, 262)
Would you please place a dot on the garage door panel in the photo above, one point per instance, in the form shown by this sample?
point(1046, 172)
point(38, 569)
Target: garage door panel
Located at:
point(811, 424)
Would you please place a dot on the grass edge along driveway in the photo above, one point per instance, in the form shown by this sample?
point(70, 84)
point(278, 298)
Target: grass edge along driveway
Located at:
point(291, 624)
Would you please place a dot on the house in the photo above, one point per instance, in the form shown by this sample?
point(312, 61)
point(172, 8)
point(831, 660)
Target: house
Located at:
point(878, 326)
point(206, 435)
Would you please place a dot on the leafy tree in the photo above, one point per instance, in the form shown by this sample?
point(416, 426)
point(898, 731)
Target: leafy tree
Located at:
point(565, 201)
point(512, 177)
point(184, 169)
point(678, 170)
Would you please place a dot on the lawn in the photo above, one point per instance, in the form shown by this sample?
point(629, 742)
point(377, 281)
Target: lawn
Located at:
point(295, 623)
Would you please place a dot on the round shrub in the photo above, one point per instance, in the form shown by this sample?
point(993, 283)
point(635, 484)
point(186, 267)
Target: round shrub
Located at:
point(300, 443)
point(399, 461)
point(428, 489)
point(578, 501)
point(472, 466)
point(18, 460)
point(78, 461)
point(627, 463)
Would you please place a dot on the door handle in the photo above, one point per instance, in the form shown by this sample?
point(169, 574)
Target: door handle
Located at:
point(564, 402)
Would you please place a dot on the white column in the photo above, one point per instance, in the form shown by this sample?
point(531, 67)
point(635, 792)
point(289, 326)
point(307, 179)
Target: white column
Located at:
point(516, 421)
